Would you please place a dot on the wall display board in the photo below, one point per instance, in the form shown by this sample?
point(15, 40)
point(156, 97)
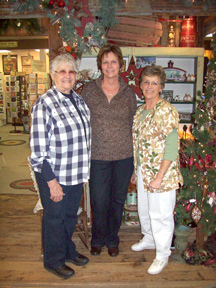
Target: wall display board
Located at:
point(16, 98)
point(2, 108)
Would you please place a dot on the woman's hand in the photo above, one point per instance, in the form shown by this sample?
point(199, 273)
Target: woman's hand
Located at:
point(156, 182)
point(56, 192)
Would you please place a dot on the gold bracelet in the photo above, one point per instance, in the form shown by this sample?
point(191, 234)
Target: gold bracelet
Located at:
point(162, 172)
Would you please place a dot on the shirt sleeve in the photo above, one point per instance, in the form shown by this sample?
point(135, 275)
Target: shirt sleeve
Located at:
point(47, 171)
point(39, 142)
point(171, 146)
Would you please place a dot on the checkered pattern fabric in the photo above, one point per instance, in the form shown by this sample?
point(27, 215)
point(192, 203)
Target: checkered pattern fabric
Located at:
point(59, 136)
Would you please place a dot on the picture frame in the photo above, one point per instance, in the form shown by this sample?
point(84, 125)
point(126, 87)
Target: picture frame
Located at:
point(143, 61)
point(184, 117)
point(9, 63)
point(26, 60)
point(26, 69)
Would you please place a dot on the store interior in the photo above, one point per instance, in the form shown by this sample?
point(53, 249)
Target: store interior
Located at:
point(152, 35)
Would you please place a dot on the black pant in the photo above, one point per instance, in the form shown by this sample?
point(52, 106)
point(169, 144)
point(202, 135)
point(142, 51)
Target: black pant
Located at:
point(59, 221)
point(109, 181)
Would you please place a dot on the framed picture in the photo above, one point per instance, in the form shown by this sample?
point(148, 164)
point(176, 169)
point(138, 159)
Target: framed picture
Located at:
point(9, 63)
point(26, 69)
point(184, 117)
point(143, 61)
point(26, 60)
point(167, 95)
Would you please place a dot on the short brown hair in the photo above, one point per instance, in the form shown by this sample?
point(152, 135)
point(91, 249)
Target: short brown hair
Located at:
point(115, 49)
point(153, 71)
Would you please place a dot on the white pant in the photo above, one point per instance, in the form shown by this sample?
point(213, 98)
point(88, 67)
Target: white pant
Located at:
point(156, 217)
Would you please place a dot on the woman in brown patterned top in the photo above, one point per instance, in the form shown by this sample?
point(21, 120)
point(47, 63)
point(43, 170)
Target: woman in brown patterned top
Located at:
point(157, 169)
point(112, 104)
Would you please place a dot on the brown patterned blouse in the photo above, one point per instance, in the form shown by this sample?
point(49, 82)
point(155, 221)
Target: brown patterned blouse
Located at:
point(111, 122)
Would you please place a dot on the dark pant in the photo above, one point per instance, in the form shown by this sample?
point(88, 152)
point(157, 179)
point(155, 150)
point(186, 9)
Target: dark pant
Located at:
point(59, 221)
point(109, 181)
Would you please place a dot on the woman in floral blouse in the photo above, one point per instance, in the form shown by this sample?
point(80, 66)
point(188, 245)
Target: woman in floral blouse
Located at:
point(157, 169)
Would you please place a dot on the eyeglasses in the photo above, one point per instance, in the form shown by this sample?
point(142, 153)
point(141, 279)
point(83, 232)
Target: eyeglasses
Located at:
point(63, 73)
point(153, 83)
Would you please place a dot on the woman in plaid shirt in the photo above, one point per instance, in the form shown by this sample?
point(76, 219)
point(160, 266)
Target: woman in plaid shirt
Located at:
point(60, 156)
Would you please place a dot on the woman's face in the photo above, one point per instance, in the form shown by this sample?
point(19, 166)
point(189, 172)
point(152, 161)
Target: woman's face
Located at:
point(64, 78)
point(110, 65)
point(151, 87)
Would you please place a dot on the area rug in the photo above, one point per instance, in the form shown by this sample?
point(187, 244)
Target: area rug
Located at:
point(12, 142)
point(23, 184)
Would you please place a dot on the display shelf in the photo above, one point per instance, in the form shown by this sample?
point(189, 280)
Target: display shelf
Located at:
point(182, 102)
point(180, 82)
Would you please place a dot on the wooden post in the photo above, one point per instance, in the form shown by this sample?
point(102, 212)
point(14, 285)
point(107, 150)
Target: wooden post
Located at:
point(55, 41)
point(199, 236)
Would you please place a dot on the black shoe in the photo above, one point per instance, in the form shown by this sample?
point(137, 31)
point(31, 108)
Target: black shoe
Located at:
point(80, 260)
point(113, 251)
point(63, 271)
point(95, 250)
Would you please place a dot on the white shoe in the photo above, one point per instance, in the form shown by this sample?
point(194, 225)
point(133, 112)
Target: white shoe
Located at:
point(142, 245)
point(157, 266)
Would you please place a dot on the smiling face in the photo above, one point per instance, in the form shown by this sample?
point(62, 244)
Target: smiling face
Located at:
point(151, 88)
point(110, 65)
point(64, 78)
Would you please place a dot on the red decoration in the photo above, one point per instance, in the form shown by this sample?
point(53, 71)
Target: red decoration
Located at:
point(187, 207)
point(51, 2)
point(131, 77)
point(191, 161)
point(67, 49)
point(81, 12)
point(61, 4)
point(74, 55)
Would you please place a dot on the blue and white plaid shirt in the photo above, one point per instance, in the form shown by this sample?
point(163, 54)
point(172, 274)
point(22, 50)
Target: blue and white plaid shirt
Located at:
point(59, 137)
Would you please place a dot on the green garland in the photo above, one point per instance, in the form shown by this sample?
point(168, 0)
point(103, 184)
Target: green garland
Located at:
point(93, 33)
point(30, 25)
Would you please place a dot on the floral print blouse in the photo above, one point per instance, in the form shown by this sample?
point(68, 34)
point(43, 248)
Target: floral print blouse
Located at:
point(149, 141)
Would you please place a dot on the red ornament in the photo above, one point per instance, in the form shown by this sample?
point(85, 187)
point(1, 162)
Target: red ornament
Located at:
point(191, 161)
point(187, 207)
point(51, 2)
point(74, 55)
point(67, 49)
point(61, 4)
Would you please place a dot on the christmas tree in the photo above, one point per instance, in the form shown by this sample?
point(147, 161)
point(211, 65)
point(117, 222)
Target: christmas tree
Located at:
point(196, 201)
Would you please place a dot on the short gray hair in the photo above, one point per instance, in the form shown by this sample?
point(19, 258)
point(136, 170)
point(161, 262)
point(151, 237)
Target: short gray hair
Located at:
point(64, 58)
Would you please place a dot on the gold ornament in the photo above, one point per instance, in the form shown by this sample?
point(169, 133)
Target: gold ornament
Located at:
point(204, 190)
point(196, 214)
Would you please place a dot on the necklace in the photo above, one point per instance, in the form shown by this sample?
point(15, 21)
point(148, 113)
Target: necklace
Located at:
point(110, 92)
